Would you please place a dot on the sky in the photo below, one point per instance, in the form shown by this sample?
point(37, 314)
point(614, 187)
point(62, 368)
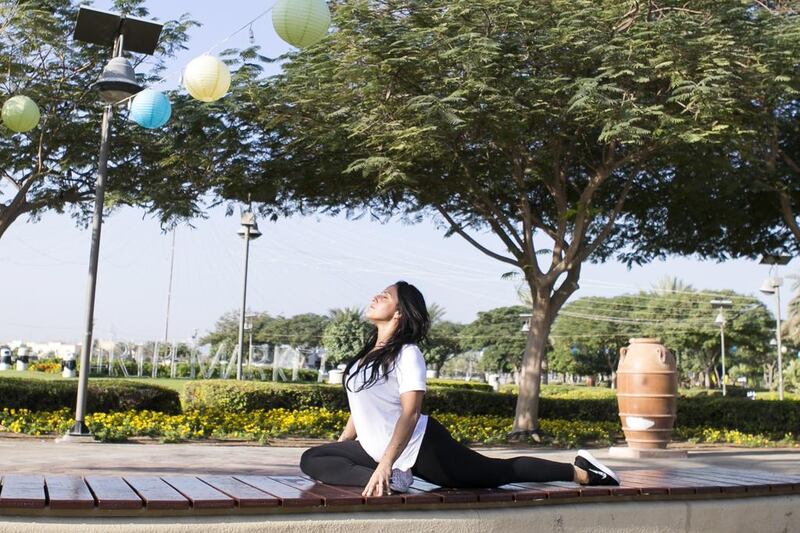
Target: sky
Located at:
point(301, 264)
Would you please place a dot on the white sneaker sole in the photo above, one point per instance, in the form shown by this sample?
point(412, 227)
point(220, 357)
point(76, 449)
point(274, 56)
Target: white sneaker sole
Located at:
point(597, 464)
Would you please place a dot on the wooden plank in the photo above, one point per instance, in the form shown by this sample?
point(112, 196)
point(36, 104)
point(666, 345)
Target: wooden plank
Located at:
point(447, 495)
point(675, 485)
point(331, 494)
point(646, 487)
point(729, 484)
point(776, 482)
point(23, 491)
point(705, 482)
point(415, 496)
point(493, 494)
point(111, 492)
point(68, 492)
point(156, 493)
point(395, 498)
point(244, 494)
point(525, 494)
point(289, 496)
point(200, 494)
point(583, 490)
point(552, 491)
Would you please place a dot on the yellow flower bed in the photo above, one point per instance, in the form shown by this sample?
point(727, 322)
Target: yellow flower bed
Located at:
point(316, 422)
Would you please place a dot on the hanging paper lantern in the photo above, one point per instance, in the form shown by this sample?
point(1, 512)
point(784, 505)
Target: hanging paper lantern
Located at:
point(301, 23)
point(20, 114)
point(150, 109)
point(207, 78)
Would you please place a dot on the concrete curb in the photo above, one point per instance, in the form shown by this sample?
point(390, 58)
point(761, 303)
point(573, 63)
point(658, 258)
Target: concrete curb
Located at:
point(763, 514)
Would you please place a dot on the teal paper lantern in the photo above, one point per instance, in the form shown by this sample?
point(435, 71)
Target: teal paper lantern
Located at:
point(20, 114)
point(301, 23)
point(150, 109)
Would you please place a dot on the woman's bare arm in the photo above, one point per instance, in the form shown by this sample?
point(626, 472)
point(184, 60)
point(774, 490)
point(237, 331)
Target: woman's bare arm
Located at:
point(349, 432)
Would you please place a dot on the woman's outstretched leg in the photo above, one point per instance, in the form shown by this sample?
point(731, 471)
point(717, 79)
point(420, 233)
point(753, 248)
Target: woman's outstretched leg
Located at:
point(338, 463)
point(446, 462)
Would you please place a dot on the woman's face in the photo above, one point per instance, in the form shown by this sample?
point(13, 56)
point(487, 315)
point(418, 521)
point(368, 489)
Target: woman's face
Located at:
point(383, 305)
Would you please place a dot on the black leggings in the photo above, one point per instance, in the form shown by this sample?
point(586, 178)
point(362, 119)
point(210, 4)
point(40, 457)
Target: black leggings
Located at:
point(442, 461)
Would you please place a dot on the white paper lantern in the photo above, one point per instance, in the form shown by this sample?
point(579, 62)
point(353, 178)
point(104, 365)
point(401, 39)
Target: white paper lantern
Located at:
point(207, 78)
point(301, 23)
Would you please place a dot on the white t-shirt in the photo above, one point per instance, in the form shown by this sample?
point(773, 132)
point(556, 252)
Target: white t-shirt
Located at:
point(375, 410)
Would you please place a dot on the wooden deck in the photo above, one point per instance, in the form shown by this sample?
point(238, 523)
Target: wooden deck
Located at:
point(137, 495)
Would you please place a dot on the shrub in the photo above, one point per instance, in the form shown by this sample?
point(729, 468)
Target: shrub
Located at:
point(459, 384)
point(104, 395)
point(183, 370)
point(261, 425)
point(768, 417)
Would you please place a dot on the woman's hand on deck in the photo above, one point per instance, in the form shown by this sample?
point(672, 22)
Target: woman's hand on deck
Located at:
point(378, 484)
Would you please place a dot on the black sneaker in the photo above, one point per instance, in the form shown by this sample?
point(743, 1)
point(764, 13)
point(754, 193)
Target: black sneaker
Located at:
point(599, 474)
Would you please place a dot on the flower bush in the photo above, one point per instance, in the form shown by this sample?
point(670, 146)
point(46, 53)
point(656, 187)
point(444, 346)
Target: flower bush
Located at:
point(263, 425)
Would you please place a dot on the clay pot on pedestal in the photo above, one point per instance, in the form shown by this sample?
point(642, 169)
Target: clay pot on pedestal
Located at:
point(647, 393)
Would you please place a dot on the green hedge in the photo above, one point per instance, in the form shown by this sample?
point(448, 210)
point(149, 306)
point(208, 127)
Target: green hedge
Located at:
point(459, 384)
point(183, 370)
point(759, 416)
point(104, 395)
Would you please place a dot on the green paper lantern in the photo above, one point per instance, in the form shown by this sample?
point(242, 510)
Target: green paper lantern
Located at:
point(207, 78)
point(20, 114)
point(301, 23)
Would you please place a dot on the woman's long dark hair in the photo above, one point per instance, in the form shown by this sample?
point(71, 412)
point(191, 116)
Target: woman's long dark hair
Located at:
point(412, 328)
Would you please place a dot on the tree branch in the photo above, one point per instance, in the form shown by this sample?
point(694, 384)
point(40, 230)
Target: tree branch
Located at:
point(458, 229)
point(612, 218)
point(788, 214)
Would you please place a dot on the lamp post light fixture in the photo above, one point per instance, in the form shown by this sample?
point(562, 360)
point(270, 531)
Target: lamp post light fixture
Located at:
point(720, 321)
point(248, 232)
point(117, 83)
point(772, 285)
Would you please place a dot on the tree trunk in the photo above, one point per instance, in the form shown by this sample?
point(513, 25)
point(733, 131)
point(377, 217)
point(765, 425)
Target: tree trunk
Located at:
point(8, 214)
point(526, 418)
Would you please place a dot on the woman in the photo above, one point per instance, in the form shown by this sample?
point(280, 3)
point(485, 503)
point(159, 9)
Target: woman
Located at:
point(385, 383)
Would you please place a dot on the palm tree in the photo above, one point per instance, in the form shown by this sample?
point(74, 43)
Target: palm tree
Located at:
point(671, 284)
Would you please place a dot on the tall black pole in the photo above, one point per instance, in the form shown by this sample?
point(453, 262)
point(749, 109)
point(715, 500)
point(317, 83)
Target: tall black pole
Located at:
point(79, 428)
point(244, 303)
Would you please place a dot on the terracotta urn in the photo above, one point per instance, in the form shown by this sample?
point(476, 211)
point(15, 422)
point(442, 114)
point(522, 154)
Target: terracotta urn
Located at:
point(647, 393)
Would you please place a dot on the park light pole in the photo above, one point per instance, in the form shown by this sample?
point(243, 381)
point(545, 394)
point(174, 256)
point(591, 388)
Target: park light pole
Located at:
point(772, 285)
point(248, 326)
point(720, 321)
point(116, 84)
point(248, 232)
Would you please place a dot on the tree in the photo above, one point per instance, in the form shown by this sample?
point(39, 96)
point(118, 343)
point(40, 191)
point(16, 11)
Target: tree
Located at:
point(536, 118)
point(443, 343)
point(585, 341)
point(302, 332)
point(497, 333)
point(346, 333)
point(166, 172)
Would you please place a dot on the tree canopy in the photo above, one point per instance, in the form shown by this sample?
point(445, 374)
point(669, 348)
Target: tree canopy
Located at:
point(549, 118)
point(169, 172)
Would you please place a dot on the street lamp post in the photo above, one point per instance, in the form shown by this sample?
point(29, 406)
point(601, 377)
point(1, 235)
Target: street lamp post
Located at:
point(772, 285)
point(720, 321)
point(117, 83)
point(248, 231)
point(248, 326)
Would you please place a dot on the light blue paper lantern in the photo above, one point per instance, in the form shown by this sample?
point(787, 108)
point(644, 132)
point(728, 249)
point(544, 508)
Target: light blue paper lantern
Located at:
point(150, 109)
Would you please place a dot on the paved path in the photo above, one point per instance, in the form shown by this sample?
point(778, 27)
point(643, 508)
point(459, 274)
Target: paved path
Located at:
point(28, 455)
